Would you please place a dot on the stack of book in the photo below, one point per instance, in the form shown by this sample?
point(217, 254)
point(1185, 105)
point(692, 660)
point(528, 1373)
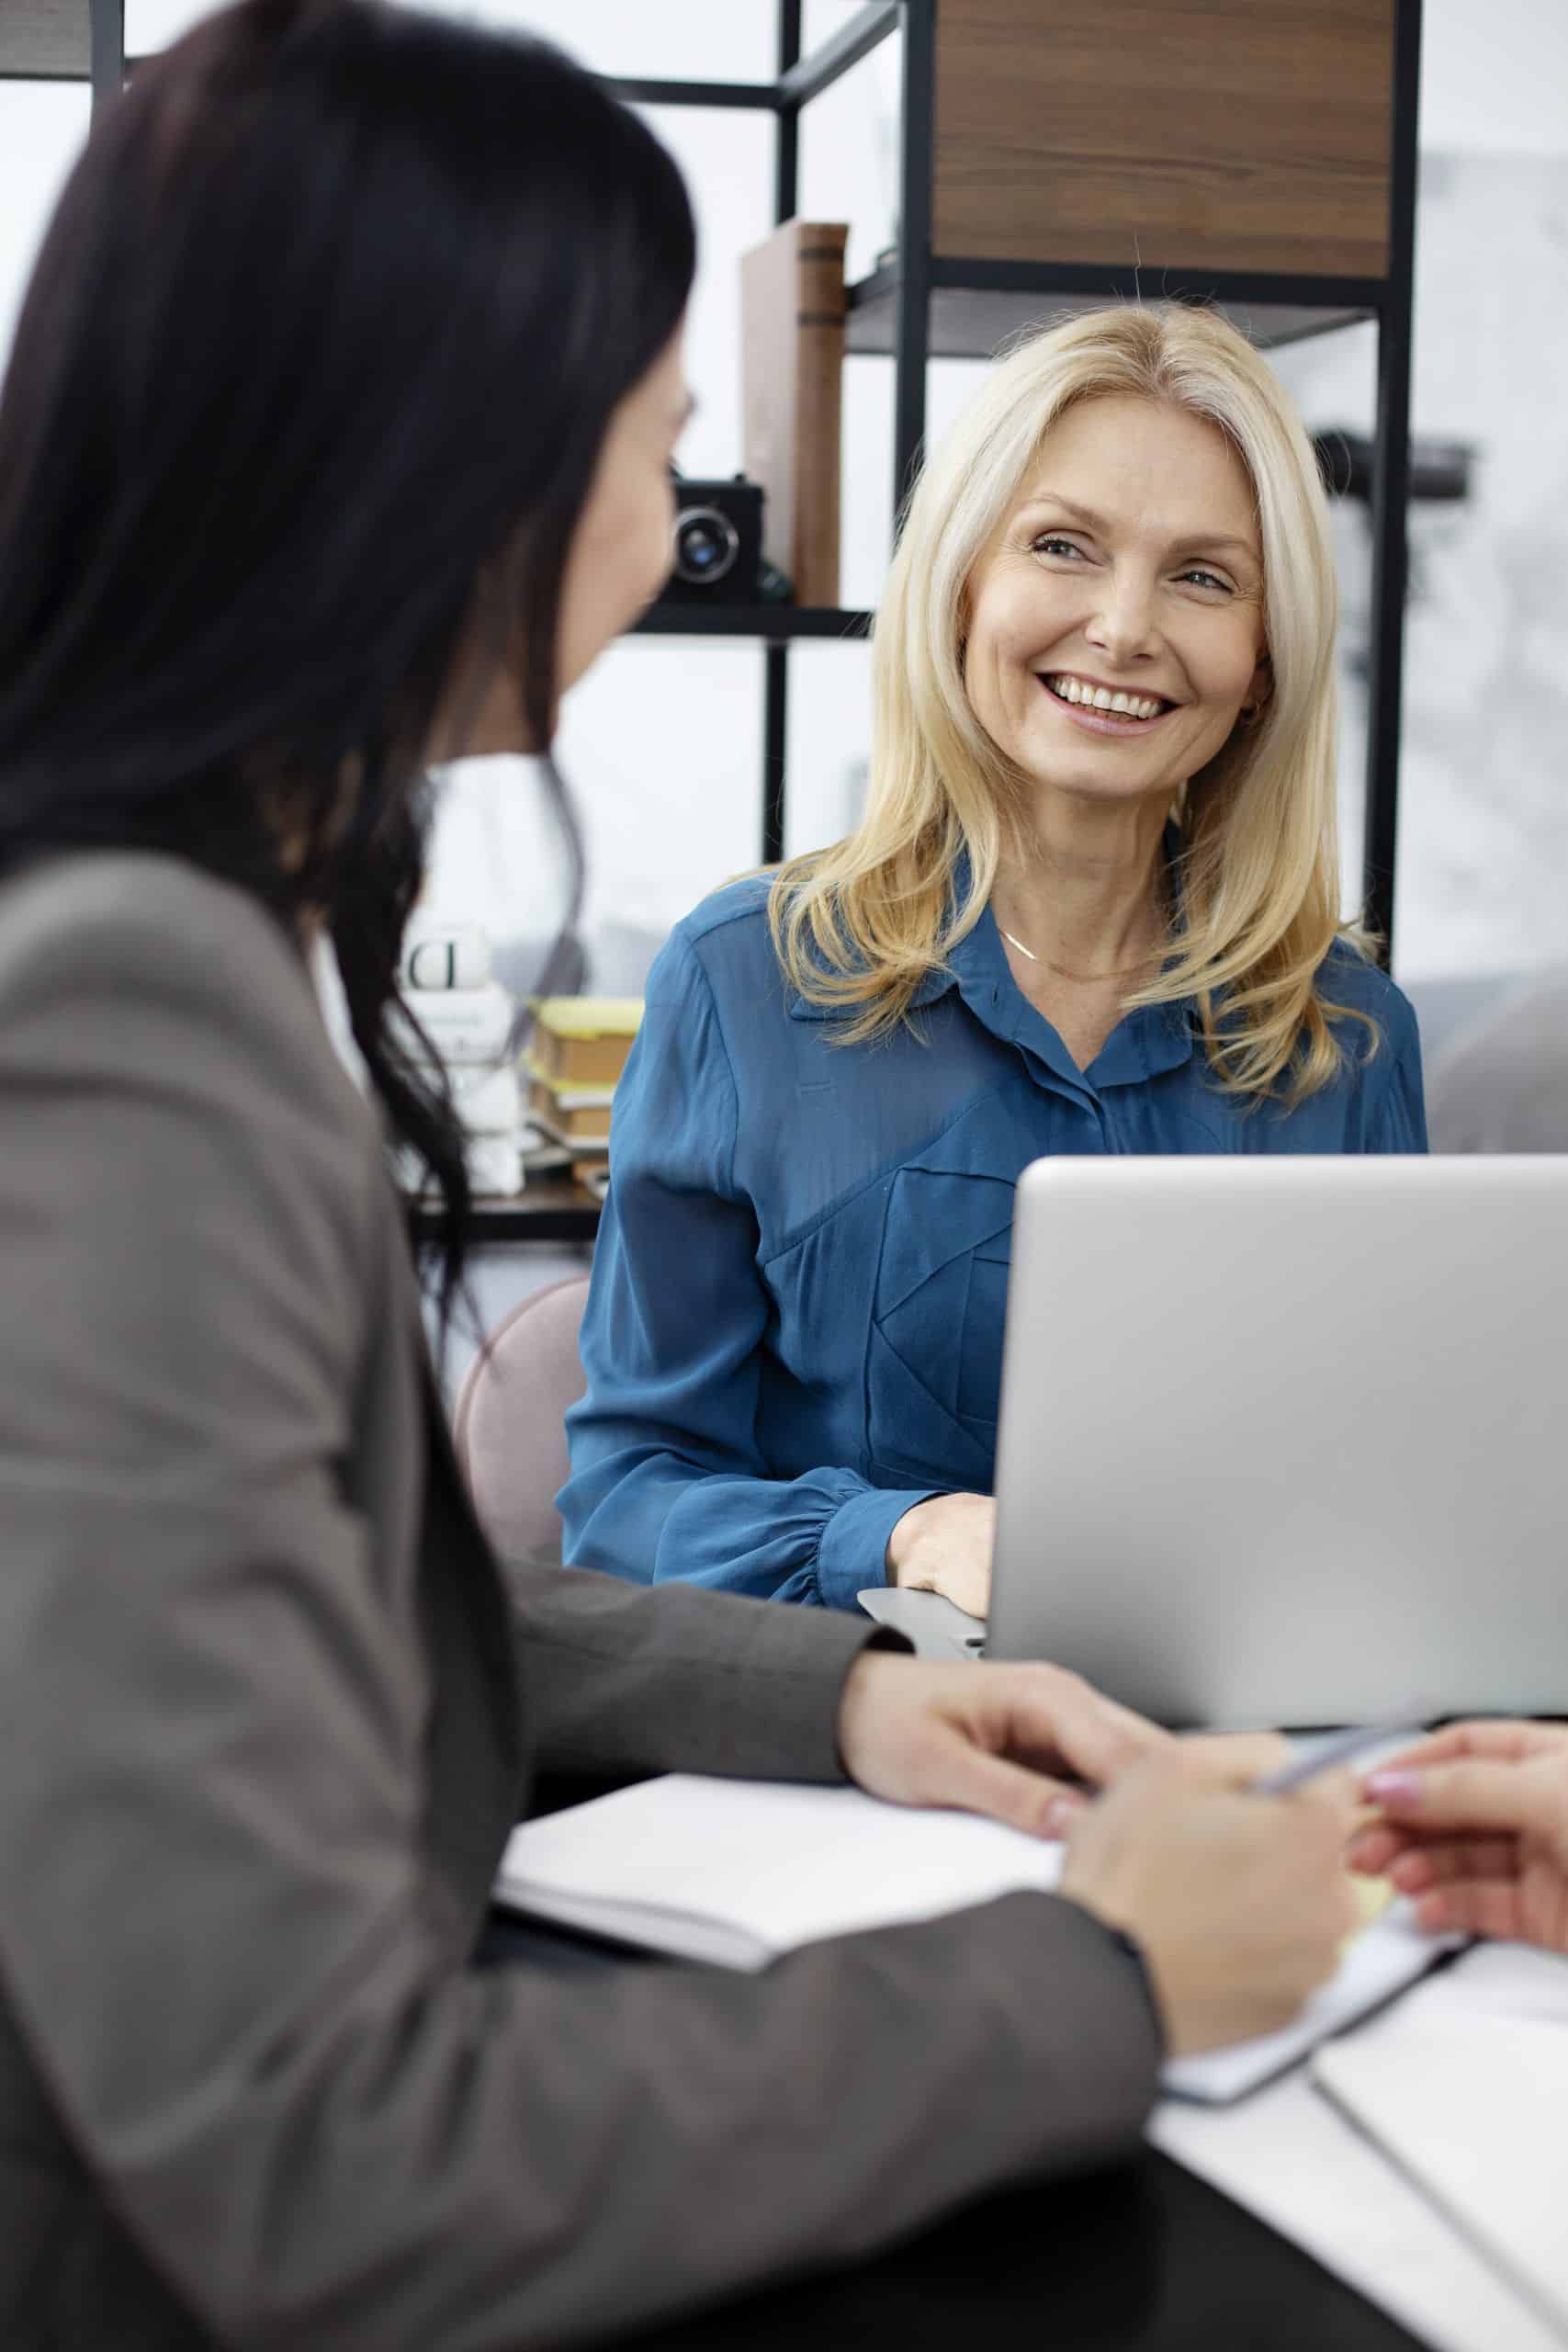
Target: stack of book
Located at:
point(576, 1054)
point(467, 1017)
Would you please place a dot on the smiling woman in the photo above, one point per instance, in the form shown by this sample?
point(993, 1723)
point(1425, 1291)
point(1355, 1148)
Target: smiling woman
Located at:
point(1131, 505)
point(1092, 908)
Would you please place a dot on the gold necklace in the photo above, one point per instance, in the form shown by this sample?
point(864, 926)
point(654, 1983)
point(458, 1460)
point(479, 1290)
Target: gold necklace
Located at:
point(1119, 972)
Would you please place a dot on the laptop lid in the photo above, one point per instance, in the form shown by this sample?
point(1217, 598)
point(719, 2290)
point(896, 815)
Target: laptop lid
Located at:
point(1286, 1439)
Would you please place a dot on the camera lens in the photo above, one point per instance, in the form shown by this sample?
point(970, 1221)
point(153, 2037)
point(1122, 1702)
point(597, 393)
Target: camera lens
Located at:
point(706, 543)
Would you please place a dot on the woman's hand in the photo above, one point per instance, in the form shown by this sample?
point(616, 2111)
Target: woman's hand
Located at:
point(1475, 1830)
point(944, 1545)
point(1239, 1903)
point(1002, 1740)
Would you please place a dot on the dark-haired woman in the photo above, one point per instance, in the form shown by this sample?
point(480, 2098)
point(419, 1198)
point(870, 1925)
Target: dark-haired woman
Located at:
point(341, 409)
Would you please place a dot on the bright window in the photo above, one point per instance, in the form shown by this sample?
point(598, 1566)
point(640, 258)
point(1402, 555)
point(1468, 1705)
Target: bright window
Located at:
point(42, 125)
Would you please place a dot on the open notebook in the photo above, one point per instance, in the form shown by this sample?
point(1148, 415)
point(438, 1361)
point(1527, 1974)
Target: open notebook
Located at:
point(738, 1872)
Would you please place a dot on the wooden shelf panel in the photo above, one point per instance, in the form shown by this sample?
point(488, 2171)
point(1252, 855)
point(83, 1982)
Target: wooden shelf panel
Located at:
point(1222, 134)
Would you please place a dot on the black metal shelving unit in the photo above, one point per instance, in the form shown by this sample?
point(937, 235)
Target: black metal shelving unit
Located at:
point(549, 1208)
point(919, 304)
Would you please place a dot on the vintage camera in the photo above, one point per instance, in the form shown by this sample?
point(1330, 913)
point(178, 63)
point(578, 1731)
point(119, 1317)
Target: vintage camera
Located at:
point(718, 543)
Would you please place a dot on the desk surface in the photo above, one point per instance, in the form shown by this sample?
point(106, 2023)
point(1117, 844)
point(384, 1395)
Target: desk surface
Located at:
point(1146, 2258)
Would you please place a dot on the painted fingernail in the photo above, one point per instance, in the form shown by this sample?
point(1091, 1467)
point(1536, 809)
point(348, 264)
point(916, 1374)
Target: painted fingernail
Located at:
point(1405, 1790)
point(1060, 1816)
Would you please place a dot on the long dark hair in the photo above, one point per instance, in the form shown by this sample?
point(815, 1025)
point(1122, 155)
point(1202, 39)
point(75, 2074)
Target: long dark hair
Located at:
point(305, 400)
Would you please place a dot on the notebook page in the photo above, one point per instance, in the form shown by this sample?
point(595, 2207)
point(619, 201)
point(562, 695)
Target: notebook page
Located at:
point(768, 1864)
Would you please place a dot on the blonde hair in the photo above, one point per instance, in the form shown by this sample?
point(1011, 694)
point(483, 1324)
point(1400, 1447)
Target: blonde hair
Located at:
point(861, 925)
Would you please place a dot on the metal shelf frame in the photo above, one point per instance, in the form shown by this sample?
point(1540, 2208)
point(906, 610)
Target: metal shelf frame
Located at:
point(548, 1208)
point(907, 287)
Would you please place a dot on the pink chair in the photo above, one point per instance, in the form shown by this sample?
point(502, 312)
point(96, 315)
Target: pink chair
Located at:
point(508, 1428)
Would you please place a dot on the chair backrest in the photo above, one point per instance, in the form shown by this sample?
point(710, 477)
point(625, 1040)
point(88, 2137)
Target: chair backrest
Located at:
point(508, 1427)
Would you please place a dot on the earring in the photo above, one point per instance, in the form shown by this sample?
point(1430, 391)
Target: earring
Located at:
point(1249, 714)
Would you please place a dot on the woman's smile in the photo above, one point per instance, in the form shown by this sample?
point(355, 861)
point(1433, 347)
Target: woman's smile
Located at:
point(1101, 709)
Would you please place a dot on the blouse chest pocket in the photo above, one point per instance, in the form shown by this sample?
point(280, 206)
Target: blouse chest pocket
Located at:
point(934, 1349)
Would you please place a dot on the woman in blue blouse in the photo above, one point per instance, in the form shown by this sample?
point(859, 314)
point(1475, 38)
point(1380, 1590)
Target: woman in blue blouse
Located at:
point(1092, 908)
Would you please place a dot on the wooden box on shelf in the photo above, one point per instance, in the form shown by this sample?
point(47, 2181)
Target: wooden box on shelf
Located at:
point(1244, 135)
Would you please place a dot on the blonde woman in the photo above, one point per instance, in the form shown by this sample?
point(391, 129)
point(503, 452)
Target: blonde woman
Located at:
point(1092, 908)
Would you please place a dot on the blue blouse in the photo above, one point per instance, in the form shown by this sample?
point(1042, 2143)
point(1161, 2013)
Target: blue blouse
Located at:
point(795, 1329)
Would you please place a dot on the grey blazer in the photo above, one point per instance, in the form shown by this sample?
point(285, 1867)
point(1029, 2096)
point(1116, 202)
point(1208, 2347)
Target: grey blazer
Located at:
point(267, 1711)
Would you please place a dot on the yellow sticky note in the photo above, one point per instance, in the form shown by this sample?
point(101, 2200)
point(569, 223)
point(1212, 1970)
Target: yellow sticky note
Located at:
point(1373, 1897)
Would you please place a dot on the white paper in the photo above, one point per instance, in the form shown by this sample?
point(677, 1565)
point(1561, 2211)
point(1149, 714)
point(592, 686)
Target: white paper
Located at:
point(1292, 2159)
point(739, 1871)
point(1469, 2101)
point(1499, 1980)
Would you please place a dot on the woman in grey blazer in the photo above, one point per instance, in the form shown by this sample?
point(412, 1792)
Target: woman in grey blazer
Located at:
point(341, 409)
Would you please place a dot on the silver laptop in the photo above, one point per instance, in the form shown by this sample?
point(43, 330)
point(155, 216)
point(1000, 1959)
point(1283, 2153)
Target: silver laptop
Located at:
point(1283, 1440)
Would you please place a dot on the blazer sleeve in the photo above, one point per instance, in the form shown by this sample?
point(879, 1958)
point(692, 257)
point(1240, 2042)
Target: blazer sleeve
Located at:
point(217, 1934)
point(668, 1480)
point(620, 1678)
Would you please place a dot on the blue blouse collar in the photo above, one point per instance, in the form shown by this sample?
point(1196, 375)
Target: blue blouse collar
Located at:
point(1145, 1042)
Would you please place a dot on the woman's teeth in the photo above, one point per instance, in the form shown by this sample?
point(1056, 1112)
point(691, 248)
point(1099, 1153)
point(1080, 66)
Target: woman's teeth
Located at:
point(1120, 706)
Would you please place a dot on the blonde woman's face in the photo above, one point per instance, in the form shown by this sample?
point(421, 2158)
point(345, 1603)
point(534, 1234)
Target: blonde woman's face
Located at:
point(1127, 570)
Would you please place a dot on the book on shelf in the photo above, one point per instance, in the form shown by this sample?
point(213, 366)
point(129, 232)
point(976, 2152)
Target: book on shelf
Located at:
point(792, 335)
point(569, 1114)
point(583, 1041)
